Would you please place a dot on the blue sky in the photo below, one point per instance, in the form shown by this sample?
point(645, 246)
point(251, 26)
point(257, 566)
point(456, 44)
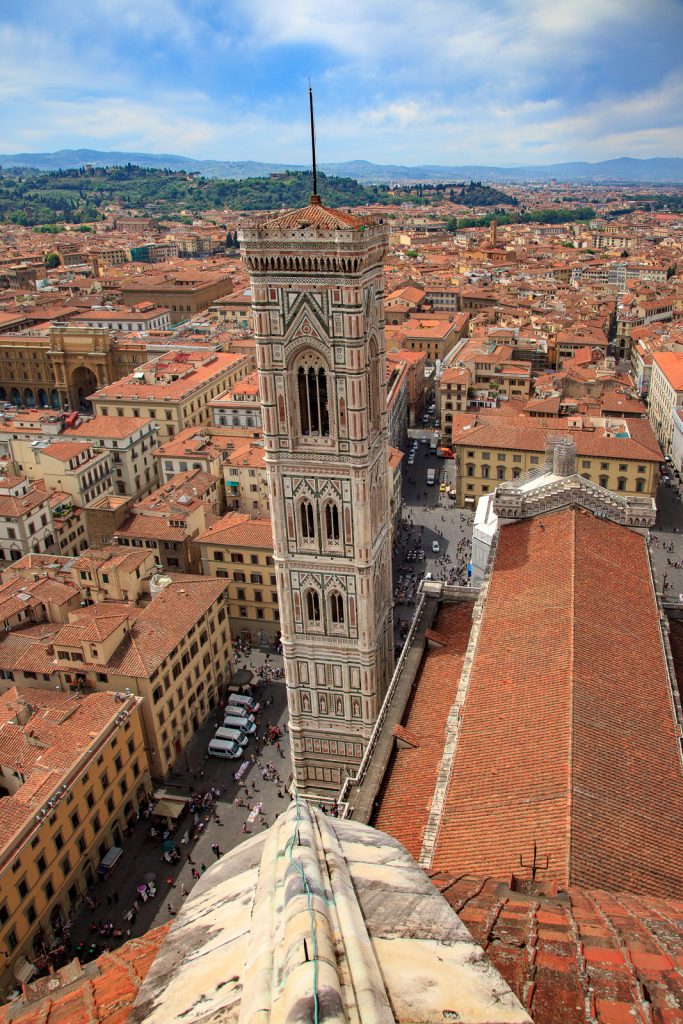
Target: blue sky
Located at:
point(428, 81)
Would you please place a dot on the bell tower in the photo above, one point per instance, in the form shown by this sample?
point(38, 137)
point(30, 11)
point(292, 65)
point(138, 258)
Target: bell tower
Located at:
point(317, 291)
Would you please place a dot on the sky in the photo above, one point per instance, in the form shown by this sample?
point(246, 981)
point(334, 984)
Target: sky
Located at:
point(501, 82)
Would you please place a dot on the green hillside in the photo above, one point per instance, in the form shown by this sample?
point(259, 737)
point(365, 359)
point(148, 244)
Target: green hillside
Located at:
point(77, 196)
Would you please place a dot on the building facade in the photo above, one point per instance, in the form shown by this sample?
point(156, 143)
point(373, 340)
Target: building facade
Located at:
point(317, 285)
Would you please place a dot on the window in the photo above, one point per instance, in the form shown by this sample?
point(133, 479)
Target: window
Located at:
point(332, 522)
point(236, 557)
point(604, 465)
point(621, 483)
point(90, 799)
point(517, 458)
point(337, 609)
point(640, 485)
point(49, 889)
point(314, 415)
point(604, 481)
point(59, 840)
point(81, 844)
point(312, 606)
point(500, 471)
point(4, 914)
point(586, 464)
point(30, 913)
point(11, 940)
point(96, 824)
point(470, 469)
point(75, 820)
point(485, 472)
point(66, 866)
point(534, 460)
point(22, 888)
point(42, 864)
point(256, 577)
point(218, 556)
point(239, 577)
point(307, 522)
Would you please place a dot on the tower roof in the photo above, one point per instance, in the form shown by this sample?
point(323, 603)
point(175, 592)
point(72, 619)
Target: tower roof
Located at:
point(319, 217)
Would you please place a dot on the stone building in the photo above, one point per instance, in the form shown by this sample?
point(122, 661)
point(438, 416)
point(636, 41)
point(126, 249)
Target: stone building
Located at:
point(317, 285)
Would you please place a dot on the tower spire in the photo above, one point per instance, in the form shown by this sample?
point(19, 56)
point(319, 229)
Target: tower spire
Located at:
point(315, 198)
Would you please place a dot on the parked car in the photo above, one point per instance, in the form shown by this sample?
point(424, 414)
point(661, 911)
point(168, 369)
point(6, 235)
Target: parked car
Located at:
point(435, 546)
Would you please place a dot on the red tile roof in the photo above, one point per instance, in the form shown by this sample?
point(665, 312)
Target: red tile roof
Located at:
point(580, 957)
point(237, 529)
point(102, 992)
point(568, 738)
point(323, 218)
point(415, 768)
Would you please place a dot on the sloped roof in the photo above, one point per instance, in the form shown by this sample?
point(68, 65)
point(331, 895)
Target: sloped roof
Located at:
point(102, 992)
point(581, 956)
point(568, 737)
point(315, 215)
point(415, 768)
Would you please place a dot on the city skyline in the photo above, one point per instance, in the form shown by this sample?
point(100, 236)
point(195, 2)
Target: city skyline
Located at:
point(495, 83)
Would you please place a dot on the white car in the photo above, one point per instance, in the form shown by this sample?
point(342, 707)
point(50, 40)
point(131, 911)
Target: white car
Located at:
point(435, 547)
point(429, 576)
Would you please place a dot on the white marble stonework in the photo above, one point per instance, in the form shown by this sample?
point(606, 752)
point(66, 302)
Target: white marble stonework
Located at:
point(324, 906)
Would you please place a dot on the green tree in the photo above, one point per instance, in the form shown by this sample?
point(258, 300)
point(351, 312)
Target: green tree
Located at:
point(51, 260)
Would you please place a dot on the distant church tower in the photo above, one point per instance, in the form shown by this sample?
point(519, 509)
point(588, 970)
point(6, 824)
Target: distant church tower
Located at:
point(317, 291)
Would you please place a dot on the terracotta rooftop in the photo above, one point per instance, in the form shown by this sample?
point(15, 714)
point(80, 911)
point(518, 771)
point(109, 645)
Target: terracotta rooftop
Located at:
point(317, 216)
point(580, 957)
point(425, 718)
point(568, 738)
point(101, 992)
point(236, 529)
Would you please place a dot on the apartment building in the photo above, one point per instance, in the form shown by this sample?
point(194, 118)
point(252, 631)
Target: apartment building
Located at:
point(73, 771)
point(246, 480)
point(620, 456)
point(174, 389)
point(434, 336)
point(131, 443)
point(185, 292)
point(239, 548)
point(25, 519)
point(202, 448)
point(174, 652)
point(73, 467)
point(167, 521)
point(144, 317)
point(240, 405)
point(666, 394)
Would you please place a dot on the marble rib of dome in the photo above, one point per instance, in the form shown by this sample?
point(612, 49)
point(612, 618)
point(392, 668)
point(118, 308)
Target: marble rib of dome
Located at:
point(319, 919)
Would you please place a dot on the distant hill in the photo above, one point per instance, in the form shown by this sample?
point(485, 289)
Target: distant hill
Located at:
point(623, 169)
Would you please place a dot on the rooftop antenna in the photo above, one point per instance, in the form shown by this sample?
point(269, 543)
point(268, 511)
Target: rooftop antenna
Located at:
point(315, 198)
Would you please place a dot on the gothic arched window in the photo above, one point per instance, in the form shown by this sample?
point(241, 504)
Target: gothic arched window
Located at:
point(336, 608)
point(332, 531)
point(307, 520)
point(314, 413)
point(312, 603)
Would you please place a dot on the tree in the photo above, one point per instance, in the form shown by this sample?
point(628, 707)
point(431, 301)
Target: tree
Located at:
point(51, 260)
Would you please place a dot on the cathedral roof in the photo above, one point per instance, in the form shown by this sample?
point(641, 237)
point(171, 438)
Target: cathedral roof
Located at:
point(318, 217)
point(320, 918)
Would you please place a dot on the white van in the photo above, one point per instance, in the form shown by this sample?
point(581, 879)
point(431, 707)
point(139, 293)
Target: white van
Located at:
point(240, 700)
point(238, 722)
point(224, 748)
point(232, 736)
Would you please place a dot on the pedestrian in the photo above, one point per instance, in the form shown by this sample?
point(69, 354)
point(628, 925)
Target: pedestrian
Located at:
point(195, 874)
point(202, 869)
point(189, 859)
point(170, 909)
point(183, 890)
point(245, 829)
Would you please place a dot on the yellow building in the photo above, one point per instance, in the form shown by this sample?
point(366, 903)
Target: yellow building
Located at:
point(60, 367)
point(240, 549)
point(174, 390)
point(73, 772)
point(175, 652)
point(495, 449)
point(75, 467)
